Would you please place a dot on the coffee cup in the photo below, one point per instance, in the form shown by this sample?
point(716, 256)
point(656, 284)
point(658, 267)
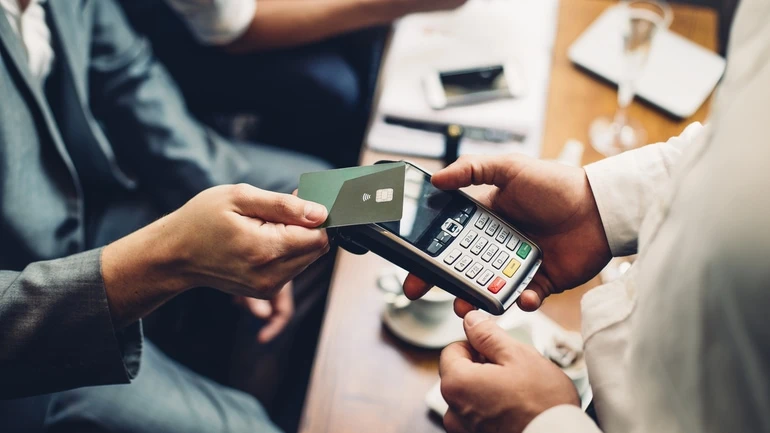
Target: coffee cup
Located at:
point(432, 308)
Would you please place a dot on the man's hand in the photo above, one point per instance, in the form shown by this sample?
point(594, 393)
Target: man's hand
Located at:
point(276, 312)
point(493, 383)
point(235, 238)
point(551, 203)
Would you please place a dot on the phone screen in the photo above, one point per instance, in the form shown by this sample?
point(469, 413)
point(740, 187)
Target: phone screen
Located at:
point(477, 80)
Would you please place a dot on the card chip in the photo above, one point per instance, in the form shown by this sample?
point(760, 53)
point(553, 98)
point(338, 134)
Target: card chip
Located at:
point(384, 195)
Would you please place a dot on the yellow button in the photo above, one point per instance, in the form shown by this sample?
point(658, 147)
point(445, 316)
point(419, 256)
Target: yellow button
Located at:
point(511, 269)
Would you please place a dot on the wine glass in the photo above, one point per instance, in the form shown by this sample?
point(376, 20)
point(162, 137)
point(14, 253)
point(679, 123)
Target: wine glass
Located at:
point(640, 22)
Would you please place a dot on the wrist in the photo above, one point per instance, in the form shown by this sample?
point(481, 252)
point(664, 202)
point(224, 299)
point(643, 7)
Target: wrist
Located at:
point(149, 258)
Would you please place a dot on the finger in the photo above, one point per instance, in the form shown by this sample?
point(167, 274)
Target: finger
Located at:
point(477, 170)
point(283, 310)
point(293, 241)
point(284, 303)
point(260, 308)
point(455, 356)
point(273, 327)
point(453, 423)
point(289, 268)
point(277, 208)
point(415, 287)
point(533, 296)
point(462, 307)
point(487, 338)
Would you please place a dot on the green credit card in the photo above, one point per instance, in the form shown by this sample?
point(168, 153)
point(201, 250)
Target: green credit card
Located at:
point(357, 195)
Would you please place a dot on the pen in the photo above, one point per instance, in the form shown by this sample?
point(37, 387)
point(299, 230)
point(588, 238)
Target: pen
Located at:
point(475, 133)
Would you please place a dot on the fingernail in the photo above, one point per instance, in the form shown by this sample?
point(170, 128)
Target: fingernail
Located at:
point(315, 212)
point(475, 317)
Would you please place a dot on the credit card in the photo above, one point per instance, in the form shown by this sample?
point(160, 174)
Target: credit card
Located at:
point(357, 195)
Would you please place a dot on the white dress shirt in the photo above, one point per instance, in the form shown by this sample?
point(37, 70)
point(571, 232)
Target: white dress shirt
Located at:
point(681, 342)
point(31, 26)
point(216, 22)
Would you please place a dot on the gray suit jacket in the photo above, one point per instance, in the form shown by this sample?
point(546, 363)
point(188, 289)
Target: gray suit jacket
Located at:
point(55, 325)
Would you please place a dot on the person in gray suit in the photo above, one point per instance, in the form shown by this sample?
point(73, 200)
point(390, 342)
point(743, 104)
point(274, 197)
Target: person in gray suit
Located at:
point(95, 141)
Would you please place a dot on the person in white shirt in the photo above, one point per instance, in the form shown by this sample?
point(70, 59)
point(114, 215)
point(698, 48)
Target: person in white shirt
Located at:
point(680, 343)
point(286, 72)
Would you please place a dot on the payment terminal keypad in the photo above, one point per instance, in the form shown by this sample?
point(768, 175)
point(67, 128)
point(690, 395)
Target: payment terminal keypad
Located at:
point(489, 253)
point(474, 270)
point(468, 239)
point(451, 257)
point(479, 245)
point(463, 263)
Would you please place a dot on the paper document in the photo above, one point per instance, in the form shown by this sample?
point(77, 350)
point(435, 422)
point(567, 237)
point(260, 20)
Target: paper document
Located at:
point(481, 32)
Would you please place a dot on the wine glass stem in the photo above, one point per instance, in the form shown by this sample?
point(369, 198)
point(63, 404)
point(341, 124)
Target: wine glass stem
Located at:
point(621, 118)
point(625, 96)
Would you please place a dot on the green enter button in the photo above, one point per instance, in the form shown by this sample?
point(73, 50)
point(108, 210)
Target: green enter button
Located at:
point(524, 250)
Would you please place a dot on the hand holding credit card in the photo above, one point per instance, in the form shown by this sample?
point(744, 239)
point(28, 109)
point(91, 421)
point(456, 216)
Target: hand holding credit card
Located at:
point(357, 195)
point(445, 237)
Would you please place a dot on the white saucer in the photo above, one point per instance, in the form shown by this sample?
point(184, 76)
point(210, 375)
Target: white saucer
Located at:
point(429, 336)
point(533, 329)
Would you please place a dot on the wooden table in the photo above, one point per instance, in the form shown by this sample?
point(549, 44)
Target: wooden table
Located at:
point(364, 379)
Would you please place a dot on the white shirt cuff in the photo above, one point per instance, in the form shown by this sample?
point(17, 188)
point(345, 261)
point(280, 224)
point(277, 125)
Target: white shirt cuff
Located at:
point(626, 185)
point(562, 418)
point(216, 22)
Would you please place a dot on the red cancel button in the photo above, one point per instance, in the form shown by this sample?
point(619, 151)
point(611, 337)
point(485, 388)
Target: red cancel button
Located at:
point(496, 285)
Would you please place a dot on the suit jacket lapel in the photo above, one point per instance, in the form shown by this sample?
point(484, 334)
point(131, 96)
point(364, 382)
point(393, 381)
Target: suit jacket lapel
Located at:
point(14, 48)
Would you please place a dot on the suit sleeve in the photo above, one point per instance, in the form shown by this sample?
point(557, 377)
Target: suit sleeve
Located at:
point(625, 186)
point(56, 330)
point(154, 136)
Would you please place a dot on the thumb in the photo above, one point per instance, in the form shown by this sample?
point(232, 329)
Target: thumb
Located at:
point(478, 170)
point(487, 337)
point(277, 208)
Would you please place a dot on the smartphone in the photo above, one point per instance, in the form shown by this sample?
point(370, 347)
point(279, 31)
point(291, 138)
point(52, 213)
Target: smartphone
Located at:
point(452, 241)
point(469, 86)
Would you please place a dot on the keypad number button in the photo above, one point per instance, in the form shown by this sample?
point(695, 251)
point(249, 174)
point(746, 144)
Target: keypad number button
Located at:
point(474, 270)
point(511, 245)
point(485, 277)
point(452, 256)
point(463, 263)
point(482, 221)
point(468, 239)
point(478, 246)
point(500, 260)
point(502, 236)
point(489, 253)
point(493, 226)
